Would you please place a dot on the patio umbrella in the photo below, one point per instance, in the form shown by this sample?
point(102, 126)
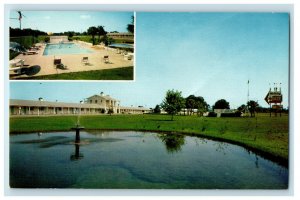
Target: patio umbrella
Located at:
point(16, 47)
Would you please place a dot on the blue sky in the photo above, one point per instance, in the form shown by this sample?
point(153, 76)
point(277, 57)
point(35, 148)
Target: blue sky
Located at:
point(79, 21)
point(206, 54)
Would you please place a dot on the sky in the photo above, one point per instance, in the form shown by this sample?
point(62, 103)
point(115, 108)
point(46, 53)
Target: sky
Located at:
point(78, 21)
point(212, 55)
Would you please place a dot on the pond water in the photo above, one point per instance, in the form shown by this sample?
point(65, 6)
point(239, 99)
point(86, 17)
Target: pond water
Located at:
point(128, 159)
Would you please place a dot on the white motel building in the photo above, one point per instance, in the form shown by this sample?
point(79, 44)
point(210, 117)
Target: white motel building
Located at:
point(96, 104)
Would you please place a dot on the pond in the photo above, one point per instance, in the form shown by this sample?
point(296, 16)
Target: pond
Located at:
point(129, 159)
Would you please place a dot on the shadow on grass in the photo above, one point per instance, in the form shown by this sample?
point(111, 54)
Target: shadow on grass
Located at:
point(123, 73)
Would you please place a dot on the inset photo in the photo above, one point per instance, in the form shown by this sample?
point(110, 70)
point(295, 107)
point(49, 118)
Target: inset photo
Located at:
point(71, 45)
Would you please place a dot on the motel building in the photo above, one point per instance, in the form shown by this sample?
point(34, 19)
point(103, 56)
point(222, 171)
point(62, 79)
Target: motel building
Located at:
point(96, 104)
point(128, 36)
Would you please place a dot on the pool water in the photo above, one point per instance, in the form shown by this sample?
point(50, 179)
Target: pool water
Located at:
point(130, 159)
point(121, 45)
point(65, 48)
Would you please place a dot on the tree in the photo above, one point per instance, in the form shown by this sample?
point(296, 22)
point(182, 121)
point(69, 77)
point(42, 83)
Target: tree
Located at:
point(70, 34)
point(190, 105)
point(173, 102)
point(173, 142)
point(107, 40)
point(201, 107)
point(194, 102)
point(252, 105)
point(242, 108)
point(92, 31)
point(100, 31)
point(157, 109)
point(221, 104)
point(130, 27)
point(16, 32)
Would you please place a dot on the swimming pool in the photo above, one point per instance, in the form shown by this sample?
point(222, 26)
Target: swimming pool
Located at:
point(121, 45)
point(65, 48)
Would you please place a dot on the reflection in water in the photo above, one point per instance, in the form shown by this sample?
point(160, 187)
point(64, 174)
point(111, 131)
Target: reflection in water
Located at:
point(200, 141)
point(173, 142)
point(77, 155)
point(256, 161)
point(221, 147)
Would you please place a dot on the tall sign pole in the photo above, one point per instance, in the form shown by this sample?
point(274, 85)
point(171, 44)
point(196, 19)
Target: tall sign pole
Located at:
point(274, 99)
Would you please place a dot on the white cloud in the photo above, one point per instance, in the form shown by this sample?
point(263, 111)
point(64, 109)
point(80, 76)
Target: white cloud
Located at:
point(85, 16)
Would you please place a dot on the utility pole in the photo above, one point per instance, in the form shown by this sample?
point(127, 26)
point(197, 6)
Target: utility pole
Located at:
point(247, 106)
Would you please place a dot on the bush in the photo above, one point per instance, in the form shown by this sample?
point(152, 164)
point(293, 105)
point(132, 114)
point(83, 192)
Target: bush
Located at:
point(47, 39)
point(25, 41)
point(212, 114)
point(13, 54)
point(84, 38)
point(235, 114)
point(43, 38)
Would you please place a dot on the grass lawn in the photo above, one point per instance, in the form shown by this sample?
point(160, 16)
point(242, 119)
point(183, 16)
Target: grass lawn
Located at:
point(124, 73)
point(266, 135)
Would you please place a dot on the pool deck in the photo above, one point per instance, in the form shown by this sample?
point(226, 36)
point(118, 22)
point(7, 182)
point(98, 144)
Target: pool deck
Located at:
point(39, 65)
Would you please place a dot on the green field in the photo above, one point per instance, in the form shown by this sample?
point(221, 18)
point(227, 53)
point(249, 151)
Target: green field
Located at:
point(267, 135)
point(124, 73)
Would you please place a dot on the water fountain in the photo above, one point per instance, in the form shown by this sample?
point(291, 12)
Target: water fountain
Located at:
point(77, 128)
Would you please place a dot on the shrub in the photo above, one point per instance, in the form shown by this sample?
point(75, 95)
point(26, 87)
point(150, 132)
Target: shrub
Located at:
point(212, 114)
point(25, 41)
point(235, 114)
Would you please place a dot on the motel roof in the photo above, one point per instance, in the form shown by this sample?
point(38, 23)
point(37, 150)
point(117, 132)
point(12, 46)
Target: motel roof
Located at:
point(106, 97)
point(34, 103)
point(37, 103)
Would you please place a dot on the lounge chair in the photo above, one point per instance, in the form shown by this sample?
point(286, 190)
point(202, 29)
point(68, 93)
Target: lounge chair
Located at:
point(128, 57)
point(106, 59)
point(30, 52)
point(34, 48)
point(85, 60)
point(58, 64)
point(16, 65)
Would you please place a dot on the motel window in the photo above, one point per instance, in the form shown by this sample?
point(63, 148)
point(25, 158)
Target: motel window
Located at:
point(91, 101)
point(96, 101)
